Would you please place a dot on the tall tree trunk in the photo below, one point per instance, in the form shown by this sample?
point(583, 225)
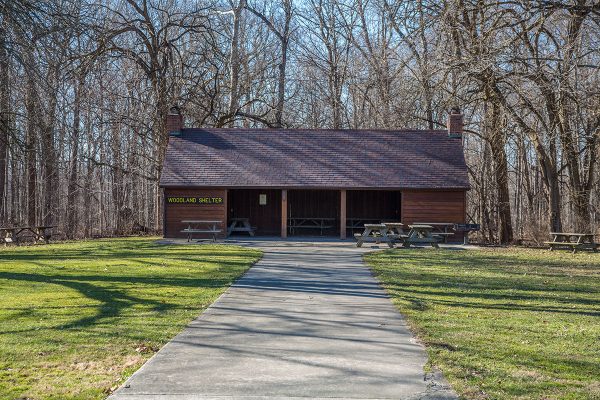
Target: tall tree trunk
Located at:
point(30, 151)
point(497, 141)
point(284, 38)
point(49, 157)
point(425, 68)
point(580, 186)
point(5, 123)
point(281, 81)
point(72, 190)
point(555, 215)
point(87, 186)
point(117, 182)
point(487, 230)
point(335, 90)
point(234, 62)
point(163, 141)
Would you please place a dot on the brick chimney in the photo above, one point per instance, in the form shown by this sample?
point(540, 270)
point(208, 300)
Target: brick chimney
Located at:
point(174, 121)
point(455, 123)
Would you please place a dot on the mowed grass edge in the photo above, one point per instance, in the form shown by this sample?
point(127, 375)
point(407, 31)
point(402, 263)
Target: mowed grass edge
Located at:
point(77, 319)
point(502, 323)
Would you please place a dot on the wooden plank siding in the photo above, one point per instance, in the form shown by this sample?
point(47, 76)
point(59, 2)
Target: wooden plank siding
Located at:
point(175, 213)
point(434, 206)
point(409, 206)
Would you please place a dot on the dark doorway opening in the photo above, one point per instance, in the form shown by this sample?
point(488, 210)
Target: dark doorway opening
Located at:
point(262, 207)
point(313, 212)
point(371, 207)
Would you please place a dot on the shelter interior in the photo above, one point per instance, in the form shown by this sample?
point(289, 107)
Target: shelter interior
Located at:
point(313, 212)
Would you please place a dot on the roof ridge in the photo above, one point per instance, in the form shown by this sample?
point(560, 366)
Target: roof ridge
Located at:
point(403, 130)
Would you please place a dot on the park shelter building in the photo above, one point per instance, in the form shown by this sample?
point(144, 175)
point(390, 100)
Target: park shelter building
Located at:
point(342, 178)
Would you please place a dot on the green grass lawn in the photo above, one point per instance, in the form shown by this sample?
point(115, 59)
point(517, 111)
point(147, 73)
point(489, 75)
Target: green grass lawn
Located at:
point(502, 323)
point(76, 319)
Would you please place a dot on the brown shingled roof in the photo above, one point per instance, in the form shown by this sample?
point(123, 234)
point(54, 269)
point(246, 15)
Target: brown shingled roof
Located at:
point(294, 158)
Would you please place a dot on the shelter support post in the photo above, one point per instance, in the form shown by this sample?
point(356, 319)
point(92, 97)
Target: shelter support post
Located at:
point(284, 216)
point(342, 214)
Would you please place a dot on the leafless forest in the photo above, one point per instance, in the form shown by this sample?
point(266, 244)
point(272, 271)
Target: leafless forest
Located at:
point(85, 88)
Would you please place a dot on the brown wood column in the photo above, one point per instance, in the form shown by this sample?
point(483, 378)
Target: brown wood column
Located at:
point(225, 217)
point(402, 208)
point(342, 214)
point(284, 208)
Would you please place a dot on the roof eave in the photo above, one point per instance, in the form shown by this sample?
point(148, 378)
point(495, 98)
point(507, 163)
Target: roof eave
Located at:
point(309, 187)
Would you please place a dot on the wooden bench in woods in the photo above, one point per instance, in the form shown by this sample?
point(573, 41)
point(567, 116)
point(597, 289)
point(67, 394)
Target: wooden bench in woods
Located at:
point(210, 228)
point(573, 241)
point(7, 235)
point(41, 233)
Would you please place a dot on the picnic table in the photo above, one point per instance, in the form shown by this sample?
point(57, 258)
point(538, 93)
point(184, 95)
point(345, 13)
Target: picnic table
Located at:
point(466, 229)
point(574, 241)
point(395, 227)
point(441, 229)
point(201, 226)
point(320, 223)
point(240, 225)
point(421, 234)
point(8, 235)
point(396, 231)
point(39, 233)
point(374, 232)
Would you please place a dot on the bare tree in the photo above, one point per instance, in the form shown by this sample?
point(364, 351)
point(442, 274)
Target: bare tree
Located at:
point(5, 118)
point(85, 87)
point(283, 34)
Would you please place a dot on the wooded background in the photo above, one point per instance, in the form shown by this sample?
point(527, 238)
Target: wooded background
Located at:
point(85, 88)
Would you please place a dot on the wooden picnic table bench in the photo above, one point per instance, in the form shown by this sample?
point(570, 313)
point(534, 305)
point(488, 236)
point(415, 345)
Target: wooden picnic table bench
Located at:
point(320, 223)
point(395, 227)
point(8, 235)
point(42, 232)
point(374, 232)
point(421, 234)
point(574, 241)
point(240, 224)
point(201, 226)
point(38, 232)
point(465, 229)
point(441, 229)
point(396, 231)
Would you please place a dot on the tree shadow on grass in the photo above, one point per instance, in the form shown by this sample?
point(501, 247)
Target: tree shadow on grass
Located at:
point(475, 259)
point(476, 280)
point(418, 303)
point(113, 301)
point(122, 254)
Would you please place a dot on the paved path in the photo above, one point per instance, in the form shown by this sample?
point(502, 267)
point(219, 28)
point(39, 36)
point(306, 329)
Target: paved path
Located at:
point(309, 321)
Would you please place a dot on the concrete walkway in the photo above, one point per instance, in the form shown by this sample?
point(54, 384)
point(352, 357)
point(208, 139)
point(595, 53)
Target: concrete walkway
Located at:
point(308, 320)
